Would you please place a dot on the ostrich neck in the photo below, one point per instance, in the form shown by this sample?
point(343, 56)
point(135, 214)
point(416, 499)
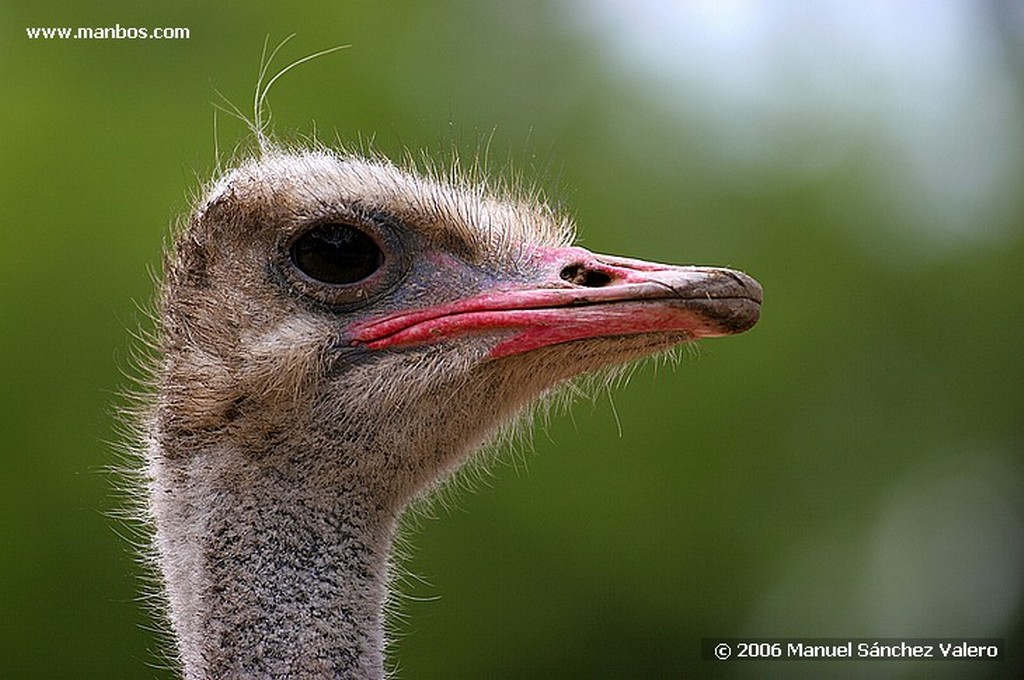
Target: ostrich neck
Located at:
point(273, 568)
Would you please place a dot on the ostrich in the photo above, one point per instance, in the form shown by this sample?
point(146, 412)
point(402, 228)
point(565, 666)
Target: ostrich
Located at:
point(337, 335)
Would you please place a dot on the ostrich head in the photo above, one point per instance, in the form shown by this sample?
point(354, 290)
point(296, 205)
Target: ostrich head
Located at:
point(337, 335)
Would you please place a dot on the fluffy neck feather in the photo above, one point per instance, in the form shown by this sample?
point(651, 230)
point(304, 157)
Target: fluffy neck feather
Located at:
point(274, 527)
point(274, 567)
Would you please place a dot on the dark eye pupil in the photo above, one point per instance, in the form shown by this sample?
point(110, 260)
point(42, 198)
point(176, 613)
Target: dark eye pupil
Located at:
point(336, 253)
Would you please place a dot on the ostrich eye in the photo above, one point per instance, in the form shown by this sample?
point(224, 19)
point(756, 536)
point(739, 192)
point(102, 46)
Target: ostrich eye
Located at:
point(336, 254)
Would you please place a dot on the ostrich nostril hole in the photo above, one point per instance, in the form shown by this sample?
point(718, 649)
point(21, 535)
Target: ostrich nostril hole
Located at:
point(579, 275)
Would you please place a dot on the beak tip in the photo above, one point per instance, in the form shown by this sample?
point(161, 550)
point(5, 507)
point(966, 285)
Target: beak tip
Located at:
point(733, 303)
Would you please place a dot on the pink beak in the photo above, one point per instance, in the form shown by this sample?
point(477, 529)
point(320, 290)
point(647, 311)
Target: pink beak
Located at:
point(584, 295)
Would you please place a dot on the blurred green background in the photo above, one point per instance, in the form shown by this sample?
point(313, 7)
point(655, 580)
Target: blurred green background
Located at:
point(851, 467)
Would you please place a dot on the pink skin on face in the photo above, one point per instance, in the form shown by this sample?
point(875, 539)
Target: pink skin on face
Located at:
point(583, 296)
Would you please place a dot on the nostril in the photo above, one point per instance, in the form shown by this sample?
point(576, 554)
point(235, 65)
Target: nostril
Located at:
point(579, 275)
